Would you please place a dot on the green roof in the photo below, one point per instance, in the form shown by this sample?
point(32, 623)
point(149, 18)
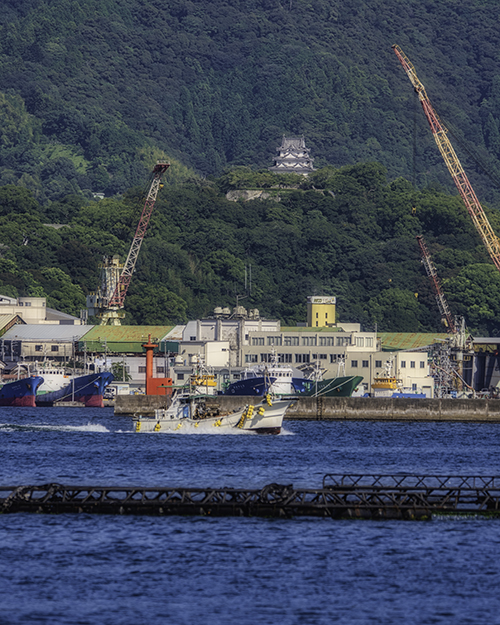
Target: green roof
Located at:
point(396, 341)
point(126, 339)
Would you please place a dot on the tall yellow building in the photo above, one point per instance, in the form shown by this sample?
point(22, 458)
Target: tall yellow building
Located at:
point(320, 311)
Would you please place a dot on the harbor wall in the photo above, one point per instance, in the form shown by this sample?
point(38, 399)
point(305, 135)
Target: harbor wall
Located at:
point(139, 404)
point(343, 408)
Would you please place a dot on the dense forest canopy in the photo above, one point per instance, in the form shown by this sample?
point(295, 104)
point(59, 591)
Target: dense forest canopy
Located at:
point(344, 231)
point(93, 92)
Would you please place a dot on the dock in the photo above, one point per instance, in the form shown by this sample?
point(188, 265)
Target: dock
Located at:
point(342, 408)
point(341, 496)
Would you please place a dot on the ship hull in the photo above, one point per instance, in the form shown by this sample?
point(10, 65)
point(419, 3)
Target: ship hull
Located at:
point(248, 387)
point(86, 389)
point(334, 387)
point(20, 392)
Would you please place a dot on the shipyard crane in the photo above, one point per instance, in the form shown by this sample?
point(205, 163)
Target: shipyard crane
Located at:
point(446, 316)
point(108, 301)
point(455, 168)
point(448, 357)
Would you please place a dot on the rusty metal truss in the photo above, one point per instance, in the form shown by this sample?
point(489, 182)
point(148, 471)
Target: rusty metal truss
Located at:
point(341, 496)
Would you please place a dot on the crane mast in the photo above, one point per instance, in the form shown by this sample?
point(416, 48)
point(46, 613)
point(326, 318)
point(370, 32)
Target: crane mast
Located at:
point(109, 299)
point(430, 269)
point(121, 289)
point(455, 168)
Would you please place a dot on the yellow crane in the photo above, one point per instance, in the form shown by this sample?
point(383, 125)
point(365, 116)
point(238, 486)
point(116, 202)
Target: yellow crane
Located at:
point(455, 168)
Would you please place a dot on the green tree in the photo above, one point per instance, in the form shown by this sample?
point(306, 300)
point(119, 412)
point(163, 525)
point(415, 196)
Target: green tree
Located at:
point(395, 310)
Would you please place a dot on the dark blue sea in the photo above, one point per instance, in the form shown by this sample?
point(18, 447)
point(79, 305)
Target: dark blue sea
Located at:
point(107, 570)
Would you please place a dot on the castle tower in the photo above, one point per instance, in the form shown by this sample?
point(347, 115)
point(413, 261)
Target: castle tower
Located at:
point(320, 311)
point(293, 157)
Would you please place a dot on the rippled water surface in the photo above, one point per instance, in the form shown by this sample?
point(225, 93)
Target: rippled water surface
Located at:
point(88, 569)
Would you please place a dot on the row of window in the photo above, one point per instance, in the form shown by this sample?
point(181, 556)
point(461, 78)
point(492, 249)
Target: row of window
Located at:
point(378, 364)
point(53, 348)
point(305, 358)
point(312, 341)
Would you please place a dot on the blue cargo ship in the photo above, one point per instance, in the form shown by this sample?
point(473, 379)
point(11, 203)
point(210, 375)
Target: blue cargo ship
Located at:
point(20, 392)
point(87, 389)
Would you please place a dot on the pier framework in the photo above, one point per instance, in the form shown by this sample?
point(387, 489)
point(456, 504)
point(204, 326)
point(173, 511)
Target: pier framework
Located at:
point(340, 496)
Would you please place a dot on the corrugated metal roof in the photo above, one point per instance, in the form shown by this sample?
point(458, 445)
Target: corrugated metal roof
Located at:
point(394, 341)
point(176, 333)
point(6, 322)
point(127, 339)
point(45, 332)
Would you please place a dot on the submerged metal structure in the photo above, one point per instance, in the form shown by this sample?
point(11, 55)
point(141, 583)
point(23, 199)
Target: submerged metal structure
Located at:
point(341, 496)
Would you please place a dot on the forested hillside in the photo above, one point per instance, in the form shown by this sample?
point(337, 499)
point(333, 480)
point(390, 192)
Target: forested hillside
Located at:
point(347, 232)
point(93, 90)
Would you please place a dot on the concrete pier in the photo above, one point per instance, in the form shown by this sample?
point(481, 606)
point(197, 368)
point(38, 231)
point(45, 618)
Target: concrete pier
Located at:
point(343, 408)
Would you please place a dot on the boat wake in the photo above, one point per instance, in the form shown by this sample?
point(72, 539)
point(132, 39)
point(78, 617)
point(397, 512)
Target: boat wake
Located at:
point(33, 427)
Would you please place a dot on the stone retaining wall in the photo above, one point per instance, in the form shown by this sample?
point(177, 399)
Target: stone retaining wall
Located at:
point(353, 408)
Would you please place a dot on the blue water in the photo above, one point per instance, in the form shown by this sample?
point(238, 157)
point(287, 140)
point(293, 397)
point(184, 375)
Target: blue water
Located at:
point(90, 569)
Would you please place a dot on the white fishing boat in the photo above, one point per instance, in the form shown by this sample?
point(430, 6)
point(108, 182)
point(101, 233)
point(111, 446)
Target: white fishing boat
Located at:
point(196, 415)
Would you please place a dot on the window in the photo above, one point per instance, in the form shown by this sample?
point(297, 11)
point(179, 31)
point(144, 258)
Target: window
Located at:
point(360, 341)
point(378, 364)
point(343, 340)
point(250, 357)
point(413, 387)
point(291, 340)
point(38, 348)
point(317, 315)
point(192, 338)
point(412, 364)
point(333, 358)
point(143, 370)
point(257, 340)
point(160, 369)
point(403, 364)
point(302, 358)
point(54, 348)
point(326, 341)
point(284, 357)
point(365, 363)
point(180, 376)
point(422, 364)
point(354, 364)
point(369, 341)
point(323, 356)
point(274, 340)
point(27, 303)
point(309, 341)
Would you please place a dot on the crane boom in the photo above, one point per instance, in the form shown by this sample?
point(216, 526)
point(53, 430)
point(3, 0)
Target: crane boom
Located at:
point(430, 269)
point(455, 168)
point(118, 297)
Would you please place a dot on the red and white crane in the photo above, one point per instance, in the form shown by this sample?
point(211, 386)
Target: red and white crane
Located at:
point(108, 301)
point(446, 316)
